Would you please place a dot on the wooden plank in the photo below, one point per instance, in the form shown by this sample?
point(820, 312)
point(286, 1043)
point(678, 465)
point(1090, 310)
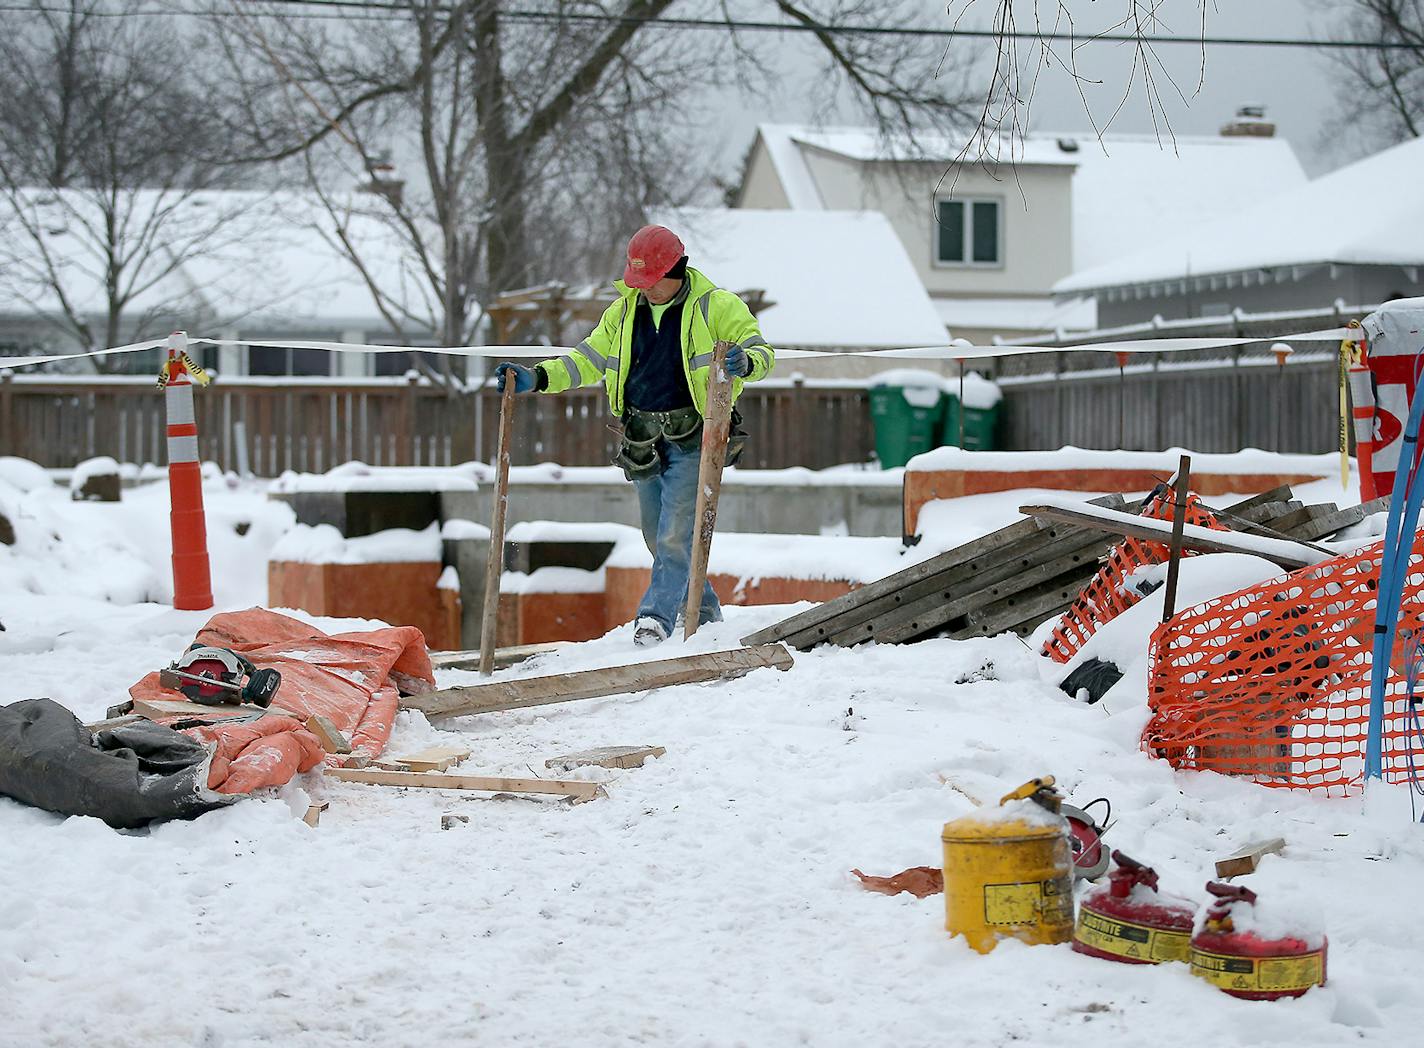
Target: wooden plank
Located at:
point(606, 757)
point(494, 563)
point(1280, 494)
point(163, 709)
point(1033, 605)
point(963, 585)
point(591, 684)
point(1247, 859)
point(332, 739)
point(888, 586)
point(114, 722)
point(1206, 540)
point(436, 758)
point(1339, 520)
point(1287, 523)
point(503, 657)
point(930, 613)
point(716, 428)
point(428, 780)
point(313, 816)
point(1005, 545)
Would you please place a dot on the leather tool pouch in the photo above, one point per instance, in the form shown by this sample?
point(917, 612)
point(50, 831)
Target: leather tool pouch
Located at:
point(642, 453)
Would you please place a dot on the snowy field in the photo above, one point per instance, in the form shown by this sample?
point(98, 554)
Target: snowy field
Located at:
point(705, 901)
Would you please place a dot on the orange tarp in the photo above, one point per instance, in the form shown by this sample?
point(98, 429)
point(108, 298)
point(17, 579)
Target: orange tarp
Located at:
point(355, 679)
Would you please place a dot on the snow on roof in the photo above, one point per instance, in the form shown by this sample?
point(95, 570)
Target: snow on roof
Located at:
point(1018, 314)
point(1362, 213)
point(1127, 188)
point(837, 278)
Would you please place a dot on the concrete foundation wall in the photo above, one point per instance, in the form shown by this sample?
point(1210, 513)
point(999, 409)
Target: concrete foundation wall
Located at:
point(774, 509)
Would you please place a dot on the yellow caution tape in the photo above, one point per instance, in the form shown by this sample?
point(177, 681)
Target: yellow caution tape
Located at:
point(1350, 355)
point(190, 365)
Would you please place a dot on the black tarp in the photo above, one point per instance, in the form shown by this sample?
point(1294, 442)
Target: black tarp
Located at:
point(128, 775)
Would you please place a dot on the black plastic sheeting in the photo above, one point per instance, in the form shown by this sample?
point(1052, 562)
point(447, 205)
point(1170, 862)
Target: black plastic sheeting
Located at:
point(1095, 677)
point(128, 776)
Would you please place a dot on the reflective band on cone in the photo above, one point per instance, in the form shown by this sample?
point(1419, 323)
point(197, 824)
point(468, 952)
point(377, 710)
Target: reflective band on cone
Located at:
point(192, 575)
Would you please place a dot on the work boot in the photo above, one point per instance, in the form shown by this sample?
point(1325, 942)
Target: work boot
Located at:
point(647, 632)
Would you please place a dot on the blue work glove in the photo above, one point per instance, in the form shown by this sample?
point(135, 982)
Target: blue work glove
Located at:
point(523, 377)
point(739, 365)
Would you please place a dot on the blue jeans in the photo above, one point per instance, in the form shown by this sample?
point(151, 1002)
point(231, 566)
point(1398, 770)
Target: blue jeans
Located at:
point(667, 505)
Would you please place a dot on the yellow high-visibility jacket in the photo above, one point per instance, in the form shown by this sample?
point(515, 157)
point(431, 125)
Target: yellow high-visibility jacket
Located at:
point(709, 315)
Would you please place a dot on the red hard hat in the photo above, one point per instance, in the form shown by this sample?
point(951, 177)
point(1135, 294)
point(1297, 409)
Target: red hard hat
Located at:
point(651, 253)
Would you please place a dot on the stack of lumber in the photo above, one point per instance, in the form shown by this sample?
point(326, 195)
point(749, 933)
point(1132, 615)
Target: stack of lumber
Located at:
point(1019, 576)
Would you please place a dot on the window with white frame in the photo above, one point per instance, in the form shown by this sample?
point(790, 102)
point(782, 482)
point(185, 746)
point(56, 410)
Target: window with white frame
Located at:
point(968, 233)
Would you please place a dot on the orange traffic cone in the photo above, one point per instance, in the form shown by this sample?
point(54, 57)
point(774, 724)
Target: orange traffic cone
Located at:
point(192, 577)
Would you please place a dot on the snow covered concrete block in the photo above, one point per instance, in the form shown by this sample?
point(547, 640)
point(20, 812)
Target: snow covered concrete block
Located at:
point(360, 513)
point(96, 480)
point(950, 473)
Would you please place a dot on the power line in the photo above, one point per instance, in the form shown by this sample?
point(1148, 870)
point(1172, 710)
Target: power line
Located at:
point(376, 10)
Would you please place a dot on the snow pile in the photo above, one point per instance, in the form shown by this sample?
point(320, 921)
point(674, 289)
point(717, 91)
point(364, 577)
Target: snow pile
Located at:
point(825, 558)
point(458, 528)
point(323, 544)
point(553, 580)
point(23, 474)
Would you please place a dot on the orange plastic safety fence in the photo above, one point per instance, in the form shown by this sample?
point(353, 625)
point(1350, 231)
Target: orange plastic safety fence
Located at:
point(1111, 591)
point(1272, 683)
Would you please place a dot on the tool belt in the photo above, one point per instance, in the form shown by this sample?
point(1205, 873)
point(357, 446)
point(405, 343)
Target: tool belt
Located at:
point(642, 452)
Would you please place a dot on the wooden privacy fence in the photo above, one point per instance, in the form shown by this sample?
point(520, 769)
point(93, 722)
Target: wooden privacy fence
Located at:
point(1205, 407)
point(313, 425)
point(310, 425)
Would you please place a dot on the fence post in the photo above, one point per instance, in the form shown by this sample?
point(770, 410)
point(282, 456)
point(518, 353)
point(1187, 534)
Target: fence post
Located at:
point(408, 439)
point(7, 413)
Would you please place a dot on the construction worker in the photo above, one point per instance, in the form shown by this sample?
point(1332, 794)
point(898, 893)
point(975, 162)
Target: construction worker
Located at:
point(652, 351)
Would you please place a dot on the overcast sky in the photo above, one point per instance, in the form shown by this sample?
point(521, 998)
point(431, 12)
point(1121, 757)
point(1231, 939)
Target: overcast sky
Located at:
point(1295, 84)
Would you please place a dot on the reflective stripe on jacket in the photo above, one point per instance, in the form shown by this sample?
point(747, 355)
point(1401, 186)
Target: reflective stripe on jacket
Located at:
point(709, 315)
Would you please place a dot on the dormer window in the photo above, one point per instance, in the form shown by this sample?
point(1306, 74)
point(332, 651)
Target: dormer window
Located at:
point(968, 233)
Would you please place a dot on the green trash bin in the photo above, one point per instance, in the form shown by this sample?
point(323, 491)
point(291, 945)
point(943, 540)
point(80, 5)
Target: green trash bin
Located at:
point(980, 425)
point(907, 421)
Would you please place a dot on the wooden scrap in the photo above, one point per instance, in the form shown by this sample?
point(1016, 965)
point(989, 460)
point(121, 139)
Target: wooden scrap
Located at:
point(113, 722)
point(436, 758)
point(592, 684)
point(503, 657)
point(606, 757)
point(167, 709)
point(1248, 858)
point(313, 816)
point(332, 739)
point(449, 820)
point(579, 790)
point(359, 758)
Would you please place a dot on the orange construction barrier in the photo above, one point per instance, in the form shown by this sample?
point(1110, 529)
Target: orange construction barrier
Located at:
point(192, 578)
point(1272, 682)
point(355, 679)
point(1111, 593)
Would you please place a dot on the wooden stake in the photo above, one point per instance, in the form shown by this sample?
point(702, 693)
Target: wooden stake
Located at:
point(494, 565)
point(716, 427)
point(1179, 521)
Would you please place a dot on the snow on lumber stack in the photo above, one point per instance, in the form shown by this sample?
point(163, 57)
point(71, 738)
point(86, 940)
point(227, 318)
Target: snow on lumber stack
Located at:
point(1277, 551)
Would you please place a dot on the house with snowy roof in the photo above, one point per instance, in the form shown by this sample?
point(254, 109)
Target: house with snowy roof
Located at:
point(993, 228)
point(1354, 236)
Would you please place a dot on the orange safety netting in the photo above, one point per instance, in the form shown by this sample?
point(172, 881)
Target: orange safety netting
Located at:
point(355, 679)
point(1110, 593)
point(1272, 683)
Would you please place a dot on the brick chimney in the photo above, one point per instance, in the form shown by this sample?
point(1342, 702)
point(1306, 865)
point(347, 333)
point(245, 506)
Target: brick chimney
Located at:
point(1250, 122)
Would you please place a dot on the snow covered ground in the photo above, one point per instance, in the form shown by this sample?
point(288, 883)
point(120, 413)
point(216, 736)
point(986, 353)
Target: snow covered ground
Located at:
point(705, 901)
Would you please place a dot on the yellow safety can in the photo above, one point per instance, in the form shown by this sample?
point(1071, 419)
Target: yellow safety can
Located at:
point(1008, 871)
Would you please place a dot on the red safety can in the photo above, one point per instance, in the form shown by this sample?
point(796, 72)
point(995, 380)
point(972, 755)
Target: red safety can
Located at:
point(1234, 953)
point(1130, 921)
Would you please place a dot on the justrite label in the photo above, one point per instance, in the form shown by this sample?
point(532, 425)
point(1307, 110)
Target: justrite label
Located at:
point(1138, 942)
point(1260, 974)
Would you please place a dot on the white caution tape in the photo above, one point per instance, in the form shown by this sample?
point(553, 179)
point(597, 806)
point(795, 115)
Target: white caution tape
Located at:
point(957, 351)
